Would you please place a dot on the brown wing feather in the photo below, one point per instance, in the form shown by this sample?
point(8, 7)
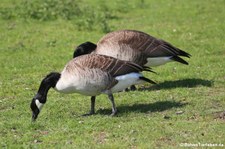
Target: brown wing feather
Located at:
point(140, 42)
point(111, 65)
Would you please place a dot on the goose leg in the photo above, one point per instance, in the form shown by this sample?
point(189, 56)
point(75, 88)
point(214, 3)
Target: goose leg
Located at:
point(114, 110)
point(133, 88)
point(126, 89)
point(92, 111)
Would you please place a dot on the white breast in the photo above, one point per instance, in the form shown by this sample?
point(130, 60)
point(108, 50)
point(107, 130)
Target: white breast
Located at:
point(67, 84)
point(90, 82)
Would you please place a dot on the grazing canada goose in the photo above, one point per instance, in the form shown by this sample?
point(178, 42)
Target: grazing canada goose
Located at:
point(135, 46)
point(90, 75)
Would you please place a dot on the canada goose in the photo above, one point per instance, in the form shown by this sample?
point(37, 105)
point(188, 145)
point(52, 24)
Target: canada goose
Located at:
point(90, 75)
point(135, 46)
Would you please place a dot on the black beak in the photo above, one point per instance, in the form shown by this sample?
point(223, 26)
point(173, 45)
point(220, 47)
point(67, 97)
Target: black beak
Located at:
point(34, 109)
point(35, 115)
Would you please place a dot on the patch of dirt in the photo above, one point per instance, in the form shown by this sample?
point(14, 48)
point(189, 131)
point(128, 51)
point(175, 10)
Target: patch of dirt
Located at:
point(219, 115)
point(101, 137)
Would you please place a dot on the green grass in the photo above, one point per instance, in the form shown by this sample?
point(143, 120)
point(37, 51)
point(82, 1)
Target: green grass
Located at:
point(148, 118)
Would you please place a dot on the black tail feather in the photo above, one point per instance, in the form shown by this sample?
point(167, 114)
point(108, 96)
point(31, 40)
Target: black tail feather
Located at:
point(176, 51)
point(147, 80)
point(178, 59)
point(146, 68)
point(183, 53)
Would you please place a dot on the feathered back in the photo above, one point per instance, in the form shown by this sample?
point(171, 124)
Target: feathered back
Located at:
point(126, 44)
point(114, 67)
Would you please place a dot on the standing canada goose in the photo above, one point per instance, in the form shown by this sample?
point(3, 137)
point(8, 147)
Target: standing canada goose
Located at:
point(135, 46)
point(90, 75)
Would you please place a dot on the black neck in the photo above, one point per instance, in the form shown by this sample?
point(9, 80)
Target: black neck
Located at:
point(49, 81)
point(84, 48)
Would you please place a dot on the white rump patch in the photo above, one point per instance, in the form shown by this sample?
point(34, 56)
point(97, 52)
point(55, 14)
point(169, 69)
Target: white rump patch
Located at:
point(38, 104)
point(127, 80)
point(156, 61)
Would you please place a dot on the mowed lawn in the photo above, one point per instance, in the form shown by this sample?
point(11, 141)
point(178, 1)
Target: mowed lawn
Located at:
point(184, 108)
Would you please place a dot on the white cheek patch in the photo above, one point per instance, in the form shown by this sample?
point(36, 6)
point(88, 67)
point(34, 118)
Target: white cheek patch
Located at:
point(38, 104)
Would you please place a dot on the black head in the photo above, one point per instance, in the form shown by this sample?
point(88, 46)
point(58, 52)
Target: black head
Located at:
point(84, 48)
point(40, 98)
point(36, 105)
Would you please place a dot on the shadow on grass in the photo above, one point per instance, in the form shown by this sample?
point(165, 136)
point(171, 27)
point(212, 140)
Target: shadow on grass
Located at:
point(188, 83)
point(158, 106)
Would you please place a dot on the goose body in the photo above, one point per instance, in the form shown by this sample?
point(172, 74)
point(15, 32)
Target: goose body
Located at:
point(135, 46)
point(90, 75)
point(95, 82)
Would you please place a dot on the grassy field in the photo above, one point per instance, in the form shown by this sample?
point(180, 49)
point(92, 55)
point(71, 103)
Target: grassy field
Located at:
point(184, 107)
